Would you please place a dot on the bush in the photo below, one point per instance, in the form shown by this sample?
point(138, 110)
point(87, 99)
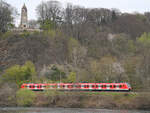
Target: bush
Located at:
point(18, 74)
point(71, 78)
point(25, 97)
point(51, 93)
point(7, 34)
point(55, 74)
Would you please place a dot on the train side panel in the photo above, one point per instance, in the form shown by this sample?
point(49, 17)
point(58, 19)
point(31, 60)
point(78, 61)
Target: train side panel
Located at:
point(79, 86)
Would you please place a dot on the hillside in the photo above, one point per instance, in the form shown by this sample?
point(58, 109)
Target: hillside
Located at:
point(17, 49)
point(77, 44)
point(117, 60)
point(72, 45)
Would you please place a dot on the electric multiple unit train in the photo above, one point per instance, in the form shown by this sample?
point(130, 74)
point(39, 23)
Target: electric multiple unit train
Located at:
point(77, 86)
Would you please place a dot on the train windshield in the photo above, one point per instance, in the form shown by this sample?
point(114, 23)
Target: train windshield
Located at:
point(129, 85)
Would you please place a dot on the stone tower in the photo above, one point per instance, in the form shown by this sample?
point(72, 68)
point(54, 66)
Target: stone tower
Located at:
point(24, 18)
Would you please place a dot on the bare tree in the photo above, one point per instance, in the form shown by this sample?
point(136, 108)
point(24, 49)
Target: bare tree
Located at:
point(50, 11)
point(68, 19)
point(6, 16)
point(78, 57)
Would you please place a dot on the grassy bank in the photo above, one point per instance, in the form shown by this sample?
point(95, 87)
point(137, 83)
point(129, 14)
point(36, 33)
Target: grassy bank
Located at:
point(107, 100)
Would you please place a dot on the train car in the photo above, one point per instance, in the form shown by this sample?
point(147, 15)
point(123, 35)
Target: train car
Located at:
point(78, 86)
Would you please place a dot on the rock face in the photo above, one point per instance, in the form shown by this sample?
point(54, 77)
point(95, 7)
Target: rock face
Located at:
point(24, 18)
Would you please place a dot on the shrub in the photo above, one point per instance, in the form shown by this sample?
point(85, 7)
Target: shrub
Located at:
point(51, 93)
point(25, 97)
point(55, 74)
point(18, 74)
point(7, 34)
point(71, 78)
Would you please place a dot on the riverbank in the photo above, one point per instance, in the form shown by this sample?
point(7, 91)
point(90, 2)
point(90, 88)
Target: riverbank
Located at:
point(99, 100)
point(64, 110)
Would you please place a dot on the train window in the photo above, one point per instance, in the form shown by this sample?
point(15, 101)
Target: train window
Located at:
point(120, 86)
point(110, 86)
point(114, 86)
point(103, 86)
point(63, 86)
point(53, 86)
point(96, 86)
point(25, 86)
point(70, 86)
point(39, 86)
point(47, 86)
point(78, 86)
point(93, 86)
point(31, 86)
point(50, 86)
point(87, 86)
point(44, 86)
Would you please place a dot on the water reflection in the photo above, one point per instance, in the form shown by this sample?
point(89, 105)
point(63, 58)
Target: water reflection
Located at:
point(65, 110)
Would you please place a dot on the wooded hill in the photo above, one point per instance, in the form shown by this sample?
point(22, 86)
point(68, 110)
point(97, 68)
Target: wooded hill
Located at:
point(80, 44)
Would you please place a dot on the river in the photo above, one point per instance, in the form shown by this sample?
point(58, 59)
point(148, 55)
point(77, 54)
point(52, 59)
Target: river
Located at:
point(65, 110)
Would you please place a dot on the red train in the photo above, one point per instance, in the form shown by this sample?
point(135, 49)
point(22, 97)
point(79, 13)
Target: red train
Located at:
point(79, 86)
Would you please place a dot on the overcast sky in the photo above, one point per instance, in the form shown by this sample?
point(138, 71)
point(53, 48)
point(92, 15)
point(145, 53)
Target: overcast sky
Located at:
point(123, 5)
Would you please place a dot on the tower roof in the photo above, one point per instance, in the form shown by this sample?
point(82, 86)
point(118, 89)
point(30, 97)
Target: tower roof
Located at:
point(24, 7)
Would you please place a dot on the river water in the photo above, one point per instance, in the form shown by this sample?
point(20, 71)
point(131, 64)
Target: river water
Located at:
point(65, 110)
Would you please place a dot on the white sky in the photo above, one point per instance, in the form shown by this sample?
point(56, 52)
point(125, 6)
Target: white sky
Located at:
point(123, 5)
